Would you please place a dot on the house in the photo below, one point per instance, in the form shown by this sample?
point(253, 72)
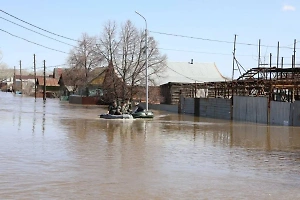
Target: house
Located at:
point(27, 86)
point(95, 82)
point(182, 78)
point(76, 81)
point(100, 85)
point(6, 79)
point(57, 72)
point(52, 86)
point(6, 84)
point(109, 84)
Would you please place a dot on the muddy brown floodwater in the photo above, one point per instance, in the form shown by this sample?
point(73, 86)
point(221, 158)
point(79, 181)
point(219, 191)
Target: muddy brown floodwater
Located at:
point(55, 150)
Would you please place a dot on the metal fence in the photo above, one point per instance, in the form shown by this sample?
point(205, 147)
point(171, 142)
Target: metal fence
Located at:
point(244, 108)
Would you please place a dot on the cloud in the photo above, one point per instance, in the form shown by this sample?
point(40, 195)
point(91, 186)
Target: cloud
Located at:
point(288, 8)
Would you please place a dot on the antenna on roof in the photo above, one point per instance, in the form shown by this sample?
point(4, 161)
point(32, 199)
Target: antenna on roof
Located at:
point(191, 61)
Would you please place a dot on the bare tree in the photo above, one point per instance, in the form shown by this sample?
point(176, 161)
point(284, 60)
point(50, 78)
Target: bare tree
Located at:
point(124, 52)
point(73, 77)
point(2, 65)
point(108, 42)
point(128, 56)
point(84, 58)
point(108, 48)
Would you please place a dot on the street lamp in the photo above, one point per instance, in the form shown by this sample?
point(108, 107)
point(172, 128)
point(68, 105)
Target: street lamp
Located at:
point(146, 46)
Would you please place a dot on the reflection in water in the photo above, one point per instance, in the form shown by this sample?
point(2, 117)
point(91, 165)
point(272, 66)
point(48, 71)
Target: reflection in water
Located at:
point(20, 113)
point(44, 117)
point(34, 118)
point(80, 156)
point(265, 137)
point(145, 129)
point(268, 139)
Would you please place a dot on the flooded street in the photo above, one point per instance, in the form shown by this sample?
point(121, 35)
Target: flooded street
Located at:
point(55, 150)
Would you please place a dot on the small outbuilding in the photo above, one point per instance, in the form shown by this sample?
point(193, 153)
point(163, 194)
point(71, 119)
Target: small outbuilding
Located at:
point(184, 78)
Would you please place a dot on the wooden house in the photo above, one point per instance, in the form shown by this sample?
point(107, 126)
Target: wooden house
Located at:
point(52, 86)
point(183, 78)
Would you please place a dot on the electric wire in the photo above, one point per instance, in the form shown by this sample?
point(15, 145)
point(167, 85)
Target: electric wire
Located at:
point(202, 52)
point(36, 32)
point(33, 42)
point(38, 27)
point(214, 40)
point(52, 66)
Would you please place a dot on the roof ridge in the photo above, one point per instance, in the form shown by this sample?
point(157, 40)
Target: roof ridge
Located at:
point(190, 63)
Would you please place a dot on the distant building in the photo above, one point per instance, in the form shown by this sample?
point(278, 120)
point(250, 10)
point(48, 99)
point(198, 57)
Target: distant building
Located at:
point(6, 79)
point(57, 72)
point(52, 86)
point(76, 81)
point(98, 86)
point(181, 78)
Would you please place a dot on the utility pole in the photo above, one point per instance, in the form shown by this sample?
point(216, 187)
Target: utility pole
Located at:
point(293, 76)
point(281, 67)
point(232, 85)
point(294, 60)
point(146, 51)
point(44, 90)
point(277, 54)
point(270, 65)
point(34, 76)
point(14, 81)
point(233, 60)
point(270, 89)
point(258, 64)
point(21, 77)
point(277, 60)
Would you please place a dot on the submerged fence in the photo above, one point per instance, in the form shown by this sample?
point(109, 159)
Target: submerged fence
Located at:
point(243, 108)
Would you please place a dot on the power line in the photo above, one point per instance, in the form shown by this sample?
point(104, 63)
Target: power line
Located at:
point(52, 66)
point(225, 54)
point(39, 27)
point(191, 37)
point(36, 32)
point(162, 33)
point(213, 40)
point(182, 74)
point(32, 42)
point(201, 52)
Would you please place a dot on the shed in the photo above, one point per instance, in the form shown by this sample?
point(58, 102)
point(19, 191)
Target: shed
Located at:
point(182, 78)
point(51, 84)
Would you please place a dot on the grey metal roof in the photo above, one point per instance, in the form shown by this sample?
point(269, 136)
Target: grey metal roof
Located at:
point(184, 72)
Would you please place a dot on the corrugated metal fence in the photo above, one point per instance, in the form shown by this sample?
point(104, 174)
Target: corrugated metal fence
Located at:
point(207, 107)
point(214, 108)
point(295, 113)
point(280, 113)
point(188, 105)
point(250, 109)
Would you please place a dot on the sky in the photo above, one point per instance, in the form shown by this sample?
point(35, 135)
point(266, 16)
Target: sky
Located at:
point(202, 30)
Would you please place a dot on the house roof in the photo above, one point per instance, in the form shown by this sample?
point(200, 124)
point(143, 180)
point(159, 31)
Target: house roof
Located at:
point(99, 78)
point(75, 76)
point(184, 72)
point(49, 81)
point(25, 77)
point(57, 72)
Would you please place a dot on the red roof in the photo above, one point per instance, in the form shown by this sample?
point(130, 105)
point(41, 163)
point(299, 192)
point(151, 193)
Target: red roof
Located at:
point(49, 81)
point(26, 77)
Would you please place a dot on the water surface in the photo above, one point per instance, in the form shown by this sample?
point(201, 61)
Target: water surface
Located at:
point(55, 150)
